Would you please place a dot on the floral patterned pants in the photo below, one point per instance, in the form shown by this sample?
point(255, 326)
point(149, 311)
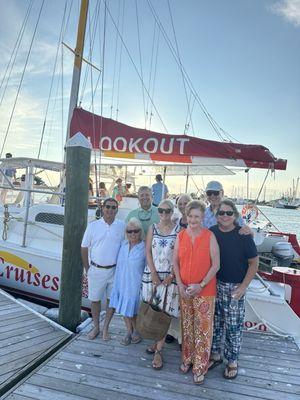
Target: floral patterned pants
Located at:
point(197, 315)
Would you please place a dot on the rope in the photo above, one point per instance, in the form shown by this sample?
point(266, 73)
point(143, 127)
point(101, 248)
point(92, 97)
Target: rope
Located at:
point(135, 68)
point(21, 81)
point(120, 62)
point(140, 57)
point(52, 79)
point(15, 51)
point(180, 66)
point(115, 63)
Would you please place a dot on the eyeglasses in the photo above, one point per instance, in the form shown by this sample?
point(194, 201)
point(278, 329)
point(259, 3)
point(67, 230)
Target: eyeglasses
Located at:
point(212, 192)
point(109, 206)
point(229, 213)
point(145, 215)
point(164, 210)
point(129, 231)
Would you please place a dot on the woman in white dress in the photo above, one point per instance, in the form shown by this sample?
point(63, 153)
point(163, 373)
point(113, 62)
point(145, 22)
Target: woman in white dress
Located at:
point(158, 274)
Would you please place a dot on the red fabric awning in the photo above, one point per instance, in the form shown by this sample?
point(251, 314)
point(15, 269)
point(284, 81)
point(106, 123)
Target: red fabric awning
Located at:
point(120, 140)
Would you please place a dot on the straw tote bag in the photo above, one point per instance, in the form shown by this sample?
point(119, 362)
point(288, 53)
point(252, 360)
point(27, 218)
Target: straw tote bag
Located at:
point(152, 322)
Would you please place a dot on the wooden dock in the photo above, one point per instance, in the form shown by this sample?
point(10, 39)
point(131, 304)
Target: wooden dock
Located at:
point(26, 340)
point(269, 368)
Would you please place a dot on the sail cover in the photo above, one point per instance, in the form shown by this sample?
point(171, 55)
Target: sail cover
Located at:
point(118, 140)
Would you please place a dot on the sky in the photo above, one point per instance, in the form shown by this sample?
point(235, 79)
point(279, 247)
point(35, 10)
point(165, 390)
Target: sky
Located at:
point(242, 57)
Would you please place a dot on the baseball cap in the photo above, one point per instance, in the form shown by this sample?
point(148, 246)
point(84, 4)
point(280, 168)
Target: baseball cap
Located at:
point(214, 185)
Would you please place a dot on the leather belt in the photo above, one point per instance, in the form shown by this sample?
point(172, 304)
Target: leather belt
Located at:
point(102, 266)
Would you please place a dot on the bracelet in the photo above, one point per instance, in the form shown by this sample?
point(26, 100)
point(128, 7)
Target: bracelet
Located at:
point(202, 284)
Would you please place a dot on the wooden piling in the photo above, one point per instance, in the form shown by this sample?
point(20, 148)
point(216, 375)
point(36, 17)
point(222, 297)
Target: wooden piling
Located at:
point(78, 154)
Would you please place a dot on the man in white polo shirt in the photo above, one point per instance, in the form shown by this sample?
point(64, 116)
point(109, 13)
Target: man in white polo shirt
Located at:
point(99, 251)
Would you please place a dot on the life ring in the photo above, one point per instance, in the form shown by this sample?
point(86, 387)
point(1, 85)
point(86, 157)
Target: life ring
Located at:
point(249, 212)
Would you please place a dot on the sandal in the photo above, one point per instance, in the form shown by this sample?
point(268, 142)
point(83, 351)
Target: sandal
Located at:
point(184, 368)
point(126, 340)
point(228, 370)
point(136, 337)
point(151, 349)
point(198, 379)
point(213, 363)
point(157, 353)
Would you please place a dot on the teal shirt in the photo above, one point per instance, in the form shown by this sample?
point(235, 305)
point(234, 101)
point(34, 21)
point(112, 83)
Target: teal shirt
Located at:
point(146, 217)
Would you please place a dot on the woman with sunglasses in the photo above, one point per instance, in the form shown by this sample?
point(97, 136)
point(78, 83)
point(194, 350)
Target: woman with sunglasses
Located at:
point(238, 266)
point(125, 296)
point(196, 262)
point(158, 274)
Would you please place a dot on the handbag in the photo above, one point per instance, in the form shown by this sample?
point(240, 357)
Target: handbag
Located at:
point(153, 322)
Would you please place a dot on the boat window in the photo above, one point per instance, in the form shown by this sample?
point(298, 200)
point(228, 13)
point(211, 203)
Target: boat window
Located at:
point(49, 218)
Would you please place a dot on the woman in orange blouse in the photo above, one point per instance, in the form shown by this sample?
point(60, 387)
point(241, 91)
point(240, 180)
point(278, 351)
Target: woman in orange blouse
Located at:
point(196, 262)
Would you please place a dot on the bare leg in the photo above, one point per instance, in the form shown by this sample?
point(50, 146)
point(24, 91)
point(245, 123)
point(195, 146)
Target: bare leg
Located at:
point(95, 308)
point(157, 362)
point(128, 324)
point(109, 314)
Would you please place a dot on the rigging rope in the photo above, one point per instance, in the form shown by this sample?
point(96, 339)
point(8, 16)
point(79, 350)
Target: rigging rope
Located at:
point(120, 62)
point(14, 53)
point(115, 63)
point(180, 66)
point(52, 78)
point(22, 77)
point(140, 57)
point(136, 69)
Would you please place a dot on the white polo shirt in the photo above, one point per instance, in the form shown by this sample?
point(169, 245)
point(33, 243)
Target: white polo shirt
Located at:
point(104, 241)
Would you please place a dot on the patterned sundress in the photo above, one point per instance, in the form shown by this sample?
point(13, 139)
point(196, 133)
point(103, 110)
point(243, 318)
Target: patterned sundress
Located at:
point(162, 254)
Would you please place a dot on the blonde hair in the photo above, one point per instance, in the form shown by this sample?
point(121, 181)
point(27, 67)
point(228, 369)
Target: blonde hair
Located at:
point(195, 205)
point(168, 203)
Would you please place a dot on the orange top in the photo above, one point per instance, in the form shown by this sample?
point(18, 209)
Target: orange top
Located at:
point(195, 261)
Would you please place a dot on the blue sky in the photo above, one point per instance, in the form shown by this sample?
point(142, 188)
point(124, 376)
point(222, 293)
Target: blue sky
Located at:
point(241, 56)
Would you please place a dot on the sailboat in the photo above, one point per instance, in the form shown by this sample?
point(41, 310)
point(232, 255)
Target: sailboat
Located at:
point(31, 245)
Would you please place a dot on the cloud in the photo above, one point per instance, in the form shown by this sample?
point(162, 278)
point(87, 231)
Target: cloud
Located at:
point(289, 9)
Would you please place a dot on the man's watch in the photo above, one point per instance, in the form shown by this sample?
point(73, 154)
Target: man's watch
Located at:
point(202, 284)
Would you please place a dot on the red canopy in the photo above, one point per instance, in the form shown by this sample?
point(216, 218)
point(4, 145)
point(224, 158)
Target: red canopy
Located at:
point(119, 140)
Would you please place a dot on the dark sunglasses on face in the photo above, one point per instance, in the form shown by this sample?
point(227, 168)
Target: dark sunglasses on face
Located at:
point(212, 192)
point(229, 213)
point(164, 210)
point(112, 207)
point(133, 231)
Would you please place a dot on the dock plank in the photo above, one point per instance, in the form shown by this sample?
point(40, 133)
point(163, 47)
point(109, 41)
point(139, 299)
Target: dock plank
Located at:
point(269, 368)
point(27, 338)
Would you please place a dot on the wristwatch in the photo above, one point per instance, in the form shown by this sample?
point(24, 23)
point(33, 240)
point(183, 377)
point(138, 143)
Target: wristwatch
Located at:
point(202, 284)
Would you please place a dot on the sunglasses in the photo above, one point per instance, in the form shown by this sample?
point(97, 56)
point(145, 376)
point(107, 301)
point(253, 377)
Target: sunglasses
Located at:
point(229, 213)
point(133, 231)
point(212, 192)
point(164, 210)
point(112, 207)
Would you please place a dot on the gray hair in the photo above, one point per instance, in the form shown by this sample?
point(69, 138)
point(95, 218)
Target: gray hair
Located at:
point(135, 222)
point(144, 189)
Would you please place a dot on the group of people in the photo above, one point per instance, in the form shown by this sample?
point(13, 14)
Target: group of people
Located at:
point(200, 263)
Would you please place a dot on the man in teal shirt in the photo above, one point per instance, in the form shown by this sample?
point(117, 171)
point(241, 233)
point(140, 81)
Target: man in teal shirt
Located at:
point(147, 214)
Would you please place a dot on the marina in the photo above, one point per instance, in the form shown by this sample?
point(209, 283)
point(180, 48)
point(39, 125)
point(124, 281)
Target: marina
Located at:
point(269, 368)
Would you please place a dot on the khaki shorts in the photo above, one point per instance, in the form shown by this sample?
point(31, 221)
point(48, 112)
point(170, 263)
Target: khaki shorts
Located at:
point(100, 283)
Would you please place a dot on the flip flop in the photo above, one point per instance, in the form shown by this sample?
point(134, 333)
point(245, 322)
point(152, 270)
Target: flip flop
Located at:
point(228, 369)
point(151, 349)
point(136, 337)
point(184, 368)
point(160, 366)
point(214, 363)
point(126, 340)
point(198, 379)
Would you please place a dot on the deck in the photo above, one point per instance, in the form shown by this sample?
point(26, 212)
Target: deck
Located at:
point(83, 369)
point(26, 339)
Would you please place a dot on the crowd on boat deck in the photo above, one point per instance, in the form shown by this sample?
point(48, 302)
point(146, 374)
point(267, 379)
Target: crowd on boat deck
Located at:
point(194, 268)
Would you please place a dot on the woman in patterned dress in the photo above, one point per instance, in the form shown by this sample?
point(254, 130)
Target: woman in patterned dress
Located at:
point(158, 274)
point(196, 262)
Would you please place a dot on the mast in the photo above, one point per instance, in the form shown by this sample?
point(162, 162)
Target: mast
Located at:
point(77, 61)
